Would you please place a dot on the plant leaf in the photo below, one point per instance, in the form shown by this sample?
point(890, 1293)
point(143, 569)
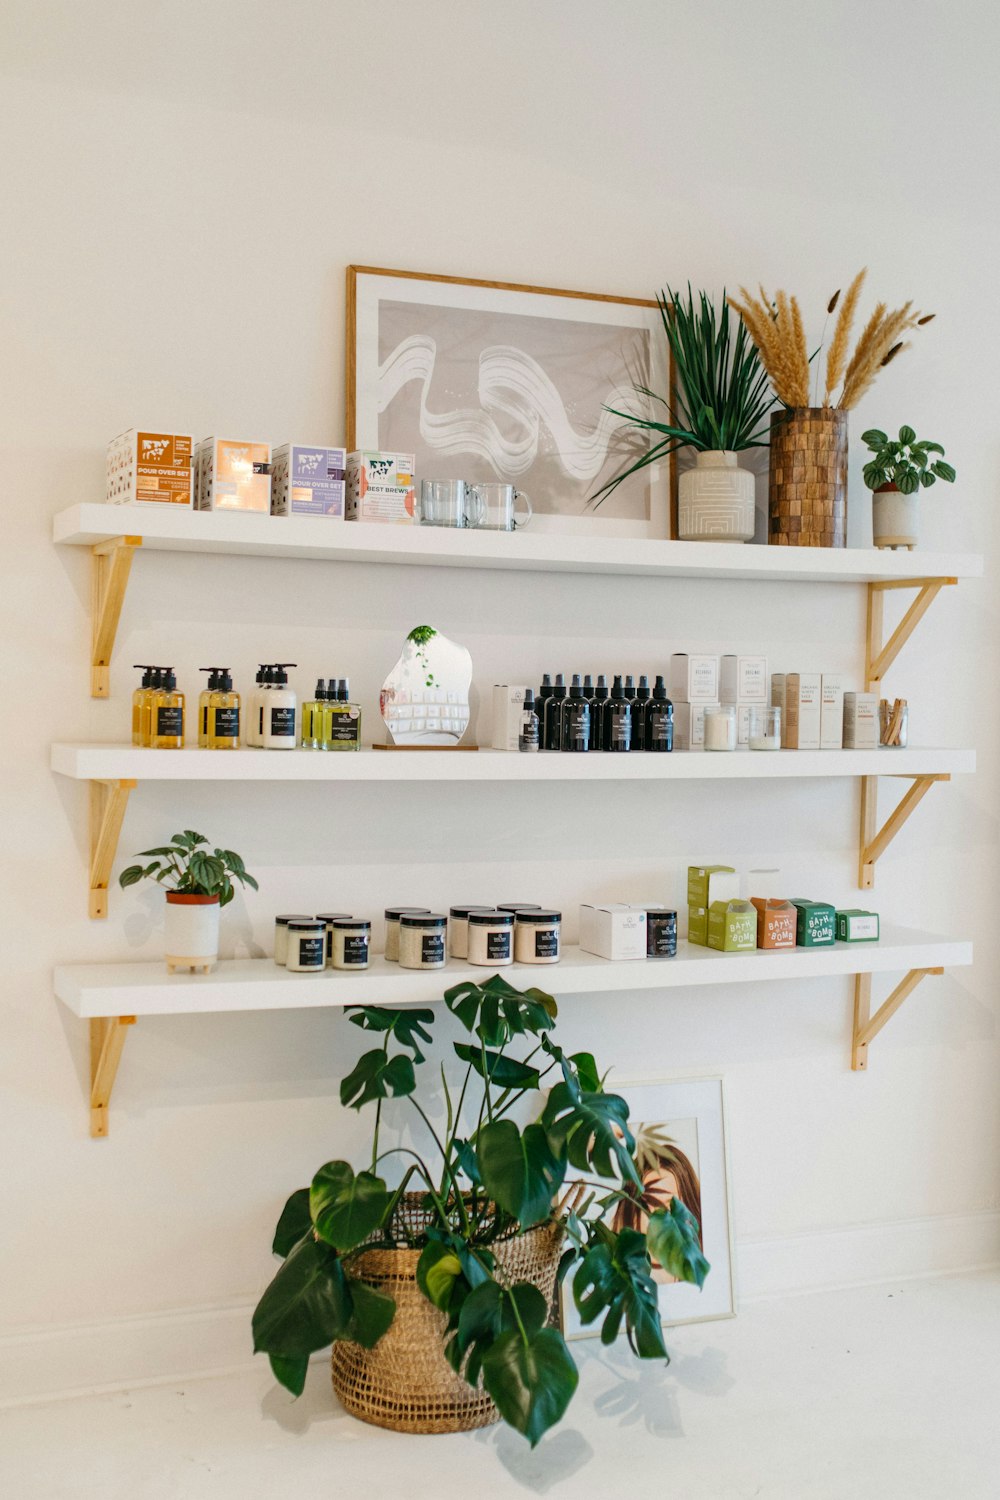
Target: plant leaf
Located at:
point(874, 438)
point(376, 1076)
point(290, 1370)
point(346, 1209)
point(373, 1313)
point(520, 1171)
point(306, 1306)
point(532, 1383)
point(504, 1072)
point(405, 1025)
point(437, 1271)
point(130, 876)
point(944, 471)
point(672, 1241)
point(295, 1221)
point(907, 436)
point(592, 1131)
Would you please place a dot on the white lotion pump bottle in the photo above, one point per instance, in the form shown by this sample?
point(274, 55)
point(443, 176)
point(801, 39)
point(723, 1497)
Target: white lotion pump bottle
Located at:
point(280, 704)
point(252, 726)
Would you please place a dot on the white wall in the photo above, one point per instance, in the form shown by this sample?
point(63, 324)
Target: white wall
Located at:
point(183, 185)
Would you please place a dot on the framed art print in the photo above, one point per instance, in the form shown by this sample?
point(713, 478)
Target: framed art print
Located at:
point(484, 380)
point(681, 1151)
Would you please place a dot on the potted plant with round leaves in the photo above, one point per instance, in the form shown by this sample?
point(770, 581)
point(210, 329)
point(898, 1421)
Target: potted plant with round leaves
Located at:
point(897, 471)
point(435, 1292)
point(198, 882)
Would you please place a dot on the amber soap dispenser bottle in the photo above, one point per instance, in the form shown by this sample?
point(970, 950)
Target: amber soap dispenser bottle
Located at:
point(168, 714)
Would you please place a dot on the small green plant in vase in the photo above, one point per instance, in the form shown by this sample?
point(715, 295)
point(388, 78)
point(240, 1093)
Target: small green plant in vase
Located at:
point(198, 881)
point(436, 1293)
point(898, 469)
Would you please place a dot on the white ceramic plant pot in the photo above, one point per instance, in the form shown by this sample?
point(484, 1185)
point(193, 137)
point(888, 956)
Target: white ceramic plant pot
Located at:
point(895, 518)
point(191, 932)
point(716, 500)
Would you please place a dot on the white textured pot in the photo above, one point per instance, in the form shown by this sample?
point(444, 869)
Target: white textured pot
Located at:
point(716, 500)
point(895, 518)
point(191, 932)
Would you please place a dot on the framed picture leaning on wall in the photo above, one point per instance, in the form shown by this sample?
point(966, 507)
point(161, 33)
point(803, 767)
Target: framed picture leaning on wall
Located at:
point(681, 1150)
point(486, 380)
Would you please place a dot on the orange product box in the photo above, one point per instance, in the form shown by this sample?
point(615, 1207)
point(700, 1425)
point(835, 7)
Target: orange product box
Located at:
point(232, 474)
point(152, 468)
point(775, 922)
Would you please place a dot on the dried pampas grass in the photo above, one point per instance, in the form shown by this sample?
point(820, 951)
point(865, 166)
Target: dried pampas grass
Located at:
point(777, 329)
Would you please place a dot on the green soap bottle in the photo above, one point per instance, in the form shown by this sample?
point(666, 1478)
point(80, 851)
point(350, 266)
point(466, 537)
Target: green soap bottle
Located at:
point(342, 722)
point(314, 719)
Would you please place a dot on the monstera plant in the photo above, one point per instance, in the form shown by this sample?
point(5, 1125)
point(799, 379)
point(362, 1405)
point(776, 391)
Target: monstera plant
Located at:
point(492, 1180)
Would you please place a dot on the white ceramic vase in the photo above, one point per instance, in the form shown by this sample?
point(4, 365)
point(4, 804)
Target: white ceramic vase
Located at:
point(716, 500)
point(191, 932)
point(895, 518)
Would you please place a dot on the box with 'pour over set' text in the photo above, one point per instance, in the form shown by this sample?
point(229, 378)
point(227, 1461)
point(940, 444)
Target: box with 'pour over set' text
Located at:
point(232, 474)
point(308, 480)
point(150, 468)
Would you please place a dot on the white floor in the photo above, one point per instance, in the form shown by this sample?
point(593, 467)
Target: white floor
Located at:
point(884, 1393)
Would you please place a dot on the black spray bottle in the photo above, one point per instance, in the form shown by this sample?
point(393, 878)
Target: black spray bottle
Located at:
point(527, 740)
point(617, 719)
point(640, 708)
point(597, 708)
point(659, 728)
point(575, 719)
point(552, 720)
point(541, 698)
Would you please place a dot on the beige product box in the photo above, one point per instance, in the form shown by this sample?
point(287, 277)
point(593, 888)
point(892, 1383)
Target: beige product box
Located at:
point(765, 884)
point(860, 721)
point(709, 883)
point(697, 932)
point(380, 487)
point(800, 721)
point(232, 474)
point(508, 711)
point(831, 712)
point(613, 930)
point(689, 725)
point(150, 468)
point(743, 679)
point(694, 679)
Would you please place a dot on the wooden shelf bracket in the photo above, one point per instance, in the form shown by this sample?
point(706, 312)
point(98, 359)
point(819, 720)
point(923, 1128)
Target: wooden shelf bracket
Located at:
point(873, 841)
point(880, 654)
point(108, 801)
point(107, 1038)
point(866, 1025)
point(110, 564)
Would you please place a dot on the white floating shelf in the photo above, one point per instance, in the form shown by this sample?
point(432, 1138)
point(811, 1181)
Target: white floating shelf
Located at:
point(85, 762)
point(146, 989)
point(530, 550)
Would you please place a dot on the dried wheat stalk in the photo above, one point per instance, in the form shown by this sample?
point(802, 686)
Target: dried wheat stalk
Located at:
point(837, 357)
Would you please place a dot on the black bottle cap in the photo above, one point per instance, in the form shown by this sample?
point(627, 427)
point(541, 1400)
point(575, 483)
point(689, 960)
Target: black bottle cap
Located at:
point(546, 686)
point(213, 677)
point(267, 676)
point(588, 686)
point(393, 912)
point(601, 690)
point(491, 918)
point(629, 686)
point(169, 679)
point(576, 691)
point(147, 673)
point(320, 688)
point(280, 675)
point(225, 680)
point(616, 686)
point(343, 690)
point(529, 701)
point(642, 691)
point(517, 906)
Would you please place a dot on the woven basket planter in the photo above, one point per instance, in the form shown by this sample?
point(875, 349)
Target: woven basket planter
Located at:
point(405, 1383)
point(807, 487)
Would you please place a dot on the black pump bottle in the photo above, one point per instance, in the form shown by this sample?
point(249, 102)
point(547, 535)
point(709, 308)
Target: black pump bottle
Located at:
point(552, 721)
point(574, 732)
point(617, 720)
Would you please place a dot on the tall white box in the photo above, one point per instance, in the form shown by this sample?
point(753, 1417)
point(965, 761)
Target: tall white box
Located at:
point(508, 712)
point(802, 711)
point(743, 679)
point(689, 725)
point(694, 678)
point(151, 468)
point(232, 474)
point(613, 930)
point(861, 721)
point(831, 712)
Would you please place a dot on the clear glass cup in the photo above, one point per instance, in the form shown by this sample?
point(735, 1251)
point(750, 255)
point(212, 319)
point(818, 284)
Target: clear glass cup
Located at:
point(449, 502)
point(894, 725)
point(765, 729)
point(720, 728)
point(498, 502)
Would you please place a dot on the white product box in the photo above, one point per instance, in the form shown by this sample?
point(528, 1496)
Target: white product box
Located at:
point(766, 885)
point(743, 679)
point(151, 468)
point(689, 725)
point(613, 931)
point(232, 474)
point(861, 721)
point(380, 487)
point(307, 479)
point(831, 712)
point(694, 679)
point(508, 711)
point(800, 729)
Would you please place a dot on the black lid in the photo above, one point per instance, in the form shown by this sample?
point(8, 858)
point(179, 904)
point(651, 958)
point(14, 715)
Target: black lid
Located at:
point(213, 677)
point(546, 683)
point(542, 915)
point(642, 691)
point(518, 906)
point(169, 679)
point(661, 911)
point(343, 690)
point(616, 686)
point(463, 911)
point(529, 699)
point(306, 924)
point(659, 689)
point(147, 673)
point(423, 919)
point(260, 675)
point(601, 690)
point(320, 687)
point(588, 685)
point(392, 912)
point(491, 919)
point(352, 922)
point(296, 916)
point(559, 686)
point(629, 686)
point(225, 680)
point(267, 676)
point(576, 691)
point(332, 916)
point(280, 675)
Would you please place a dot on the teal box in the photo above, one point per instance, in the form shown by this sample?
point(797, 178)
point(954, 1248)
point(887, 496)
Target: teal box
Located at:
point(815, 923)
point(856, 926)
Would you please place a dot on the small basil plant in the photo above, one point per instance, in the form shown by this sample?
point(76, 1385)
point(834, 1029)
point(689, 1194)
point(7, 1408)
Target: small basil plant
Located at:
point(904, 461)
point(187, 867)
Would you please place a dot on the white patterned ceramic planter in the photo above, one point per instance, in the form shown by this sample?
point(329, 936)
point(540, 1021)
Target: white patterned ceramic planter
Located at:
point(716, 500)
point(895, 518)
point(191, 932)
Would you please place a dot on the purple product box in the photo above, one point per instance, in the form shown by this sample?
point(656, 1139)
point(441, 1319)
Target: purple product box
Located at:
point(308, 480)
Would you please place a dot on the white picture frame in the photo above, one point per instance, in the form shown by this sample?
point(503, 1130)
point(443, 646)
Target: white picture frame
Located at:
point(693, 1112)
point(490, 380)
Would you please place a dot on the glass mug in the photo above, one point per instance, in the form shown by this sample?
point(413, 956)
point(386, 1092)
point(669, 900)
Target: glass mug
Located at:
point(450, 502)
point(497, 501)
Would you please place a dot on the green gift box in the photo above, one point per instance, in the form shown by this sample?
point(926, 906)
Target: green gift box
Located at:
point(698, 926)
point(732, 926)
point(856, 926)
point(708, 883)
point(815, 924)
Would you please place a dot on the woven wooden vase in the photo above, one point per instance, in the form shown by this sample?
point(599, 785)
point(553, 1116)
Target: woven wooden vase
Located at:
point(807, 487)
point(405, 1383)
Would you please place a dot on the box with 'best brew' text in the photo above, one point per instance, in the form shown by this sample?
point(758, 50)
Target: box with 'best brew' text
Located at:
point(380, 487)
